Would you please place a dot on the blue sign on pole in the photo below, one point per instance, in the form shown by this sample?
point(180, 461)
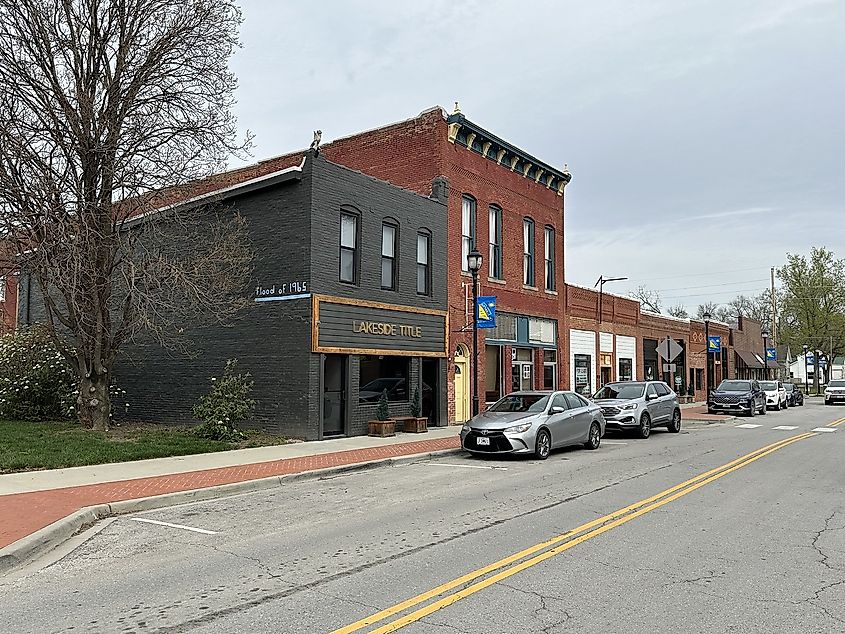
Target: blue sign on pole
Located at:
point(487, 312)
point(714, 344)
point(771, 354)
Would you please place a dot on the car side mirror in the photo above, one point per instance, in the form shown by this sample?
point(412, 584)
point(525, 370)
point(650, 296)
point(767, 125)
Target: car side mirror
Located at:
point(557, 410)
point(651, 397)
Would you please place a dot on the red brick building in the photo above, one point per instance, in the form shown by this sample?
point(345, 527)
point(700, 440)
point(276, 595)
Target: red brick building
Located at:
point(509, 205)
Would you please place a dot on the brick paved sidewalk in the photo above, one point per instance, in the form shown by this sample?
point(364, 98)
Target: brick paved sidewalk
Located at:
point(22, 514)
point(700, 413)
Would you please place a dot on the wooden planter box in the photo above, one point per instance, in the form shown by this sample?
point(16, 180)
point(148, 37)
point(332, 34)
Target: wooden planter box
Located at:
point(413, 425)
point(382, 428)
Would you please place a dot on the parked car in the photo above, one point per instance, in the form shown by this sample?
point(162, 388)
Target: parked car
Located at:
point(735, 395)
point(775, 394)
point(639, 406)
point(794, 395)
point(834, 392)
point(534, 422)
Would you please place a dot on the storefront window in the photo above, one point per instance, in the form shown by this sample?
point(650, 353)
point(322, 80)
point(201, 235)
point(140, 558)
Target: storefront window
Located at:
point(493, 373)
point(583, 382)
point(549, 369)
point(505, 329)
point(378, 374)
point(522, 369)
point(626, 369)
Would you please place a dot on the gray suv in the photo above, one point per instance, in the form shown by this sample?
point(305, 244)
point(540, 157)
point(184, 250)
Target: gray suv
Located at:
point(639, 406)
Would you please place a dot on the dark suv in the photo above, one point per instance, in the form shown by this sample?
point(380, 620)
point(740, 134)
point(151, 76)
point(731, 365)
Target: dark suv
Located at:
point(794, 395)
point(737, 395)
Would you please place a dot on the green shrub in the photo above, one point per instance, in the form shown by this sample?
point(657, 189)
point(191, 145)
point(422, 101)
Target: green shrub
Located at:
point(383, 412)
point(35, 380)
point(226, 406)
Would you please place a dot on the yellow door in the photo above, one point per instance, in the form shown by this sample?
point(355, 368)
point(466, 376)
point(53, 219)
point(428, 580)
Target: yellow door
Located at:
point(461, 385)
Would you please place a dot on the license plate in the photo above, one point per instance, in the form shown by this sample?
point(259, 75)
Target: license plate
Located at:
point(482, 441)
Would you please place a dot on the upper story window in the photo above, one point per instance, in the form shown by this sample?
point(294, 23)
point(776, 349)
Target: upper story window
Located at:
point(467, 229)
point(550, 258)
point(528, 252)
point(389, 235)
point(423, 263)
point(349, 248)
point(495, 233)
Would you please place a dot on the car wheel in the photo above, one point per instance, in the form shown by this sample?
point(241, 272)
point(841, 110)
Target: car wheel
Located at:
point(764, 410)
point(594, 437)
point(543, 446)
point(644, 430)
point(675, 425)
point(752, 412)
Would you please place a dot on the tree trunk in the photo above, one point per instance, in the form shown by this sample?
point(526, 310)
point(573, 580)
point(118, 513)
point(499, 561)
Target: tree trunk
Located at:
point(95, 402)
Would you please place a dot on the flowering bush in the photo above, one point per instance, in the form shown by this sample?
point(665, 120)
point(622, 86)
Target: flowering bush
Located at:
point(35, 380)
point(226, 405)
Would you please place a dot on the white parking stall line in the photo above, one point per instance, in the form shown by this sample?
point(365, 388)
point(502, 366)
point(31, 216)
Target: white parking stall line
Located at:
point(786, 427)
point(612, 442)
point(748, 426)
point(825, 429)
point(169, 525)
point(466, 466)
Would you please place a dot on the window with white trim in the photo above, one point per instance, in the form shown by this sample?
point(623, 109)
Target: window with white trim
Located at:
point(423, 263)
point(389, 233)
point(348, 248)
point(549, 240)
point(467, 229)
point(528, 252)
point(495, 233)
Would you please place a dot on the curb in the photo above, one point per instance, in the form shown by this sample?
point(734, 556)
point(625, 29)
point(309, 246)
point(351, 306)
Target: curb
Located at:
point(27, 549)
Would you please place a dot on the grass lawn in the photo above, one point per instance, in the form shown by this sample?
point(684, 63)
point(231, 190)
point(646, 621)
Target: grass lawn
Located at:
point(28, 446)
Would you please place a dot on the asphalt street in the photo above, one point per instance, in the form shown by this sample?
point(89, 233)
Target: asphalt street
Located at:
point(732, 527)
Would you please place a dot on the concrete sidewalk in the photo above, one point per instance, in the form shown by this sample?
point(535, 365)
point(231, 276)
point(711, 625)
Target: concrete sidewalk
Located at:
point(40, 509)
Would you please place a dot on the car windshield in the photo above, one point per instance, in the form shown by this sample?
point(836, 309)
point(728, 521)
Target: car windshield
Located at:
point(768, 385)
point(521, 403)
point(735, 386)
point(621, 390)
point(836, 384)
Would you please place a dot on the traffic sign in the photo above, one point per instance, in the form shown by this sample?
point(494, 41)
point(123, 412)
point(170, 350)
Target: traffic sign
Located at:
point(669, 349)
point(670, 367)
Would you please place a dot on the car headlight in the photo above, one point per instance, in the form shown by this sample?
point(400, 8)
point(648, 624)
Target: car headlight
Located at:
point(518, 429)
point(466, 427)
point(629, 406)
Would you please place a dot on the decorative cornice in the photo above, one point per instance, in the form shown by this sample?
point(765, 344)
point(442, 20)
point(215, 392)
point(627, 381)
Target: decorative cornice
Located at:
point(464, 132)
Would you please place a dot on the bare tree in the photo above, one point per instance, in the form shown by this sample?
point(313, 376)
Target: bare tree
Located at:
point(648, 298)
point(106, 106)
point(679, 311)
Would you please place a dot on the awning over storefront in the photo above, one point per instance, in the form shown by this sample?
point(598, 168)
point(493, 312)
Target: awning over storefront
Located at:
point(750, 359)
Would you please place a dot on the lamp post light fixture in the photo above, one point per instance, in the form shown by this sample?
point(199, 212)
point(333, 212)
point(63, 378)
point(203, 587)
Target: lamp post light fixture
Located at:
point(765, 333)
point(474, 265)
point(707, 380)
point(806, 372)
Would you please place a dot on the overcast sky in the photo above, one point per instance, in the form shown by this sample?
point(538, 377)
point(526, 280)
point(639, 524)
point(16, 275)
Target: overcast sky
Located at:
point(706, 138)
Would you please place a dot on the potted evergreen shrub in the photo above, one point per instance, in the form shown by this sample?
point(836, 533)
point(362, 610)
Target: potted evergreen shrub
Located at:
point(384, 426)
point(416, 424)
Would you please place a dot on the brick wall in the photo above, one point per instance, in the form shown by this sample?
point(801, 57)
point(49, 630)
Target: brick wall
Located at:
point(8, 304)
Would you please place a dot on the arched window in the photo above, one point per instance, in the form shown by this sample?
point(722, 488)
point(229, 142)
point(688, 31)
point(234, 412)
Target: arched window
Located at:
point(349, 239)
point(467, 229)
point(389, 253)
point(495, 233)
point(423, 262)
point(528, 251)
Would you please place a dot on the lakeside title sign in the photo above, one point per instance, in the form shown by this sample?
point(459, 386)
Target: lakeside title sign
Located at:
point(386, 329)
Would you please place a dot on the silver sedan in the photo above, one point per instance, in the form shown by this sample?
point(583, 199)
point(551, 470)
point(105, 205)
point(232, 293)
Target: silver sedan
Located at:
point(534, 422)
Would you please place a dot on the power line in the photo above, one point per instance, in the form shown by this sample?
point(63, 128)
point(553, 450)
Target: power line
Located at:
point(676, 277)
point(686, 288)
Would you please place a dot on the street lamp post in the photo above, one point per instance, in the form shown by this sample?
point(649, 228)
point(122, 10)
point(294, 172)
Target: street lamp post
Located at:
point(708, 381)
point(765, 333)
point(601, 282)
point(474, 266)
point(806, 372)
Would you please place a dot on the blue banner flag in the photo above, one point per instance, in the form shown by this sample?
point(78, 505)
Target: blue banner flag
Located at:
point(714, 344)
point(771, 354)
point(486, 312)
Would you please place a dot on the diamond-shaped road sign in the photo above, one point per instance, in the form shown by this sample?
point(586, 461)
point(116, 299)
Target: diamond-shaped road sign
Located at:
point(669, 349)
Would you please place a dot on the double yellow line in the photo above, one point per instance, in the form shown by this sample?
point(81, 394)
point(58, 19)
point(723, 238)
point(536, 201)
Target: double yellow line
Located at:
point(528, 557)
point(837, 423)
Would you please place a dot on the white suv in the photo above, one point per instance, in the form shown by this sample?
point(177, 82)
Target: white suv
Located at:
point(835, 391)
point(775, 394)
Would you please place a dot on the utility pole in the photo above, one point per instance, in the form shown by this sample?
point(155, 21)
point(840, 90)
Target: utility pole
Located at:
point(774, 311)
